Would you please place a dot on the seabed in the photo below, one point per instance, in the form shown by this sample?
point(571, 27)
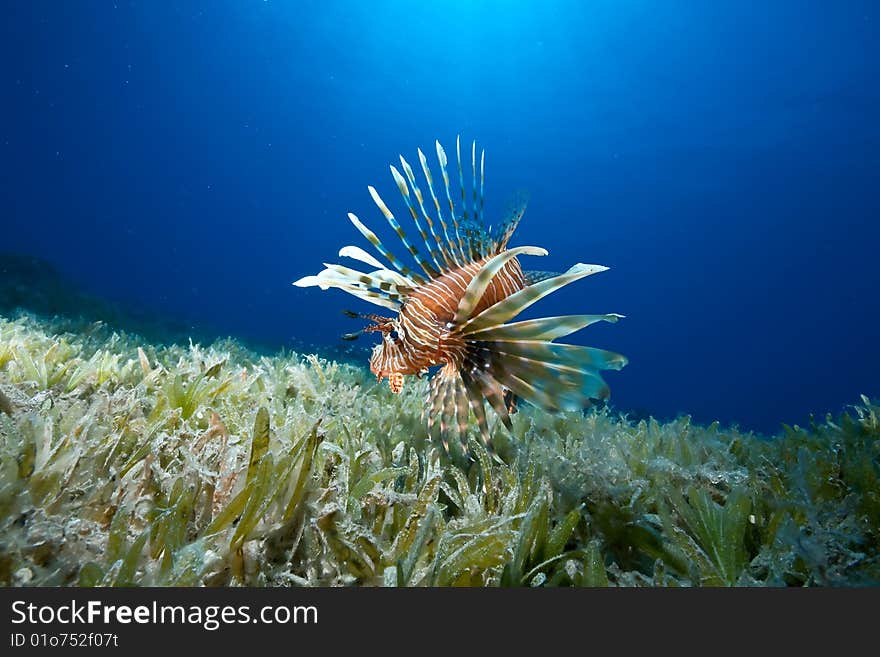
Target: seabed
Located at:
point(124, 463)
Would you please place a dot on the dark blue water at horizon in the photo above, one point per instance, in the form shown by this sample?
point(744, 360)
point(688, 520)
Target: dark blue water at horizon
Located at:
point(194, 158)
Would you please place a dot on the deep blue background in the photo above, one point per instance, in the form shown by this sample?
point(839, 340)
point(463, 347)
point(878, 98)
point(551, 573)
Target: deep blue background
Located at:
point(723, 158)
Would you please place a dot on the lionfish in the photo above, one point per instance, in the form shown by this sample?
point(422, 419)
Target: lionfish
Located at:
point(455, 313)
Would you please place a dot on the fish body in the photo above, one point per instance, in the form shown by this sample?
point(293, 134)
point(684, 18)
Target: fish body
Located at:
point(456, 313)
point(422, 336)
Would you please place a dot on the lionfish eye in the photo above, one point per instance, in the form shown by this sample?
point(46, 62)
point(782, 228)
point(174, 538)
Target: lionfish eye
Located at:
point(394, 335)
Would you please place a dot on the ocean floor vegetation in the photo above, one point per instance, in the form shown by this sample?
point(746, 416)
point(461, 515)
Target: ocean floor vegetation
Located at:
point(125, 463)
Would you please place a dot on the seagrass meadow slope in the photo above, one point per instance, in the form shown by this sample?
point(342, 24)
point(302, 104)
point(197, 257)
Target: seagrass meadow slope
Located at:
point(125, 463)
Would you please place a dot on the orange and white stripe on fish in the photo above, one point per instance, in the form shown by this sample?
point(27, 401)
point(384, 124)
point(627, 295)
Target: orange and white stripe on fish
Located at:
point(395, 381)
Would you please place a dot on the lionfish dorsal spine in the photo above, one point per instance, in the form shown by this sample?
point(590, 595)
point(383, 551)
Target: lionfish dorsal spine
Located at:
point(479, 210)
point(464, 209)
point(430, 272)
point(450, 247)
point(474, 181)
point(404, 192)
point(439, 250)
point(441, 158)
point(469, 237)
point(376, 242)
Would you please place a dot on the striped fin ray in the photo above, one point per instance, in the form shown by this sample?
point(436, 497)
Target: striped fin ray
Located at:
point(461, 400)
point(475, 400)
point(479, 210)
point(357, 253)
point(474, 182)
point(552, 379)
point(434, 408)
point(395, 225)
point(514, 214)
point(482, 242)
point(476, 237)
point(531, 277)
point(404, 191)
point(478, 284)
point(475, 370)
point(386, 301)
point(440, 403)
point(473, 253)
point(331, 278)
point(454, 393)
point(562, 356)
point(524, 389)
point(461, 176)
point(545, 328)
point(441, 157)
point(518, 301)
point(376, 280)
point(450, 246)
point(448, 402)
point(440, 250)
point(374, 240)
point(326, 281)
point(435, 401)
point(479, 237)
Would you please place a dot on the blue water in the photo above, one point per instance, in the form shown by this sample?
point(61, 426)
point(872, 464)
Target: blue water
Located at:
point(723, 158)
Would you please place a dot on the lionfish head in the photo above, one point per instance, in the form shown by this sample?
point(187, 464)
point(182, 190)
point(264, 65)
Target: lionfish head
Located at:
point(388, 357)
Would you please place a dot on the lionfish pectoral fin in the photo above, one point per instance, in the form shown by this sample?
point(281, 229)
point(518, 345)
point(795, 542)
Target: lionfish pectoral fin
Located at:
point(520, 360)
point(509, 307)
point(544, 328)
point(328, 278)
point(479, 283)
point(555, 377)
point(532, 276)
